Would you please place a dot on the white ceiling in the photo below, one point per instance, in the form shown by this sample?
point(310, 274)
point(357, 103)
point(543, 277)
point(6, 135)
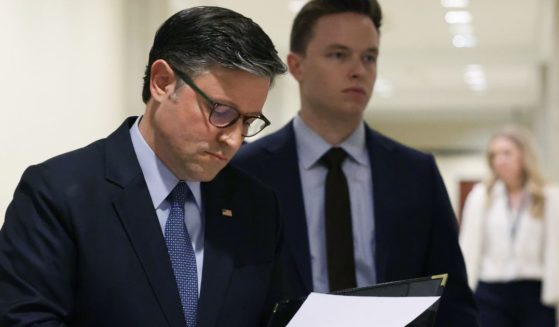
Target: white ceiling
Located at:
point(422, 72)
point(427, 71)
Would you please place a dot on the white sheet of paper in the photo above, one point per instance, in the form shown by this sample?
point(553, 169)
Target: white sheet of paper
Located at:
point(327, 310)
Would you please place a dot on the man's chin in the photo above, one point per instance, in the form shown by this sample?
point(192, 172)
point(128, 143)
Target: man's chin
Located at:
point(200, 174)
point(207, 175)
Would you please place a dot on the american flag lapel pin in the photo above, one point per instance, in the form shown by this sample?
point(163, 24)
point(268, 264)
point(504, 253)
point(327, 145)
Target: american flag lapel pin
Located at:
point(227, 212)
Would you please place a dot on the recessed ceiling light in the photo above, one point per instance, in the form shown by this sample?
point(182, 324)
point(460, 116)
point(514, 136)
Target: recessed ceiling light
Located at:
point(464, 41)
point(458, 17)
point(474, 76)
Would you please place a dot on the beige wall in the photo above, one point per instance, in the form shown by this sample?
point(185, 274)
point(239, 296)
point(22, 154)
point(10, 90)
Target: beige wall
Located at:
point(61, 80)
point(547, 121)
point(71, 72)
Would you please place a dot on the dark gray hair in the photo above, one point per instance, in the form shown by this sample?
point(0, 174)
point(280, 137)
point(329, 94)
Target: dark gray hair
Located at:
point(195, 40)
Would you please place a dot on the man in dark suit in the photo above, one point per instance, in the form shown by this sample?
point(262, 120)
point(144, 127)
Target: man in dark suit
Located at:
point(381, 212)
point(150, 226)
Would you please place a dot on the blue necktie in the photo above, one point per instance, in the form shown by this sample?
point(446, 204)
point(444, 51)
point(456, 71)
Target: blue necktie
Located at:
point(182, 254)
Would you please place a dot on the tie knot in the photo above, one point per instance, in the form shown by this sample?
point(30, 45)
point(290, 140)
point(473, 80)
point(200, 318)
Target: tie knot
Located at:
point(179, 194)
point(334, 157)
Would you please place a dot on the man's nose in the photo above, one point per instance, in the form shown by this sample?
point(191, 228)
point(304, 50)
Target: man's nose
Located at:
point(232, 134)
point(358, 68)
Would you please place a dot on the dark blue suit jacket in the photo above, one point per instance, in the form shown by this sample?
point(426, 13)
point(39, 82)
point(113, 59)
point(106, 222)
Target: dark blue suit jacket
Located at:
point(415, 227)
point(81, 246)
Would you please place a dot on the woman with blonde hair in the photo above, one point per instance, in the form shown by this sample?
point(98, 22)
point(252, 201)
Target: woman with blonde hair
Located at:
point(510, 237)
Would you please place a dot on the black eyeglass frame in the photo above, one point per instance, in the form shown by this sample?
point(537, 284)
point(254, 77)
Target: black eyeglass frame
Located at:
point(213, 105)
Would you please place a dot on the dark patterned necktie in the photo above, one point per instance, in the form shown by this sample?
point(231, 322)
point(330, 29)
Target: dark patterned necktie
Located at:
point(339, 235)
point(182, 254)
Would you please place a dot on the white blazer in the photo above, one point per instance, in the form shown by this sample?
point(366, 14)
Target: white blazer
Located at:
point(526, 246)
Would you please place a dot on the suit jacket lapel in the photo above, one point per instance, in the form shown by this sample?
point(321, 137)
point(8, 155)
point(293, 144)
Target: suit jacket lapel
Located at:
point(384, 198)
point(135, 211)
point(284, 158)
point(218, 244)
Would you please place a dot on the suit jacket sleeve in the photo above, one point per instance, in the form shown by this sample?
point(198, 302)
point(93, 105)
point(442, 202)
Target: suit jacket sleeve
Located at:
point(37, 256)
point(446, 257)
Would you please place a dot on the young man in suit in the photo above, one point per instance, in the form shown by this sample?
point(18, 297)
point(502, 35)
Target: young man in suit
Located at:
point(358, 207)
point(151, 226)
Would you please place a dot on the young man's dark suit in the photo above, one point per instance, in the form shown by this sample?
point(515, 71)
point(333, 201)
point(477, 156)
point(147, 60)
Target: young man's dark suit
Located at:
point(415, 227)
point(82, 246)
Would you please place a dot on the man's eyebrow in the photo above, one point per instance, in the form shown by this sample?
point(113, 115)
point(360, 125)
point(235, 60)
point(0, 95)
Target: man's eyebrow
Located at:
point(232, 104)
point(346, 48)
point(337, 47)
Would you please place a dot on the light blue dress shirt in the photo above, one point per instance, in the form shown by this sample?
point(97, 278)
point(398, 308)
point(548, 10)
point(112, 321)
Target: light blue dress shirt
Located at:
point(357, 168)
point(161, 181)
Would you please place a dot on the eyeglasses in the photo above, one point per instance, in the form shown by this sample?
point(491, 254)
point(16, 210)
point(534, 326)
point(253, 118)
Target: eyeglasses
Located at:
point(223, 116)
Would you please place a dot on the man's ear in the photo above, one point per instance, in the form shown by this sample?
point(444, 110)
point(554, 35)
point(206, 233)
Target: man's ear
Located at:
point(295, 64)
point(162, 80)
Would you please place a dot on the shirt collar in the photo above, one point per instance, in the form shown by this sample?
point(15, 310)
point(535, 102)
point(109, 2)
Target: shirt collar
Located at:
point(159, 179)
point(311, 146)
point(501, 188)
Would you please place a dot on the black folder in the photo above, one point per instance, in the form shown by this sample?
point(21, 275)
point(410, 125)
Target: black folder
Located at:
point(425, 286)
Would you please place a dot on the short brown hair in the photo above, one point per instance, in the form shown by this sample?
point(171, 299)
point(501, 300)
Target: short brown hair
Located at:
point(302, 29)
